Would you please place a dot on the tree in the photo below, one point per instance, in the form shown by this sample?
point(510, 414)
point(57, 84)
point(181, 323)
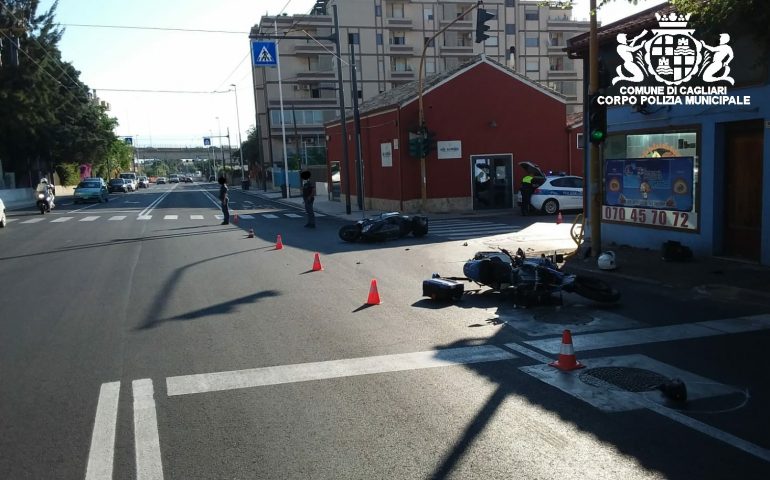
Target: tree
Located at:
point(47, 115)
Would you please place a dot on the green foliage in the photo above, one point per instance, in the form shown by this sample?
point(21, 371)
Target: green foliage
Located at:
point(69, 173)
point(711, 17)
point(46, 112)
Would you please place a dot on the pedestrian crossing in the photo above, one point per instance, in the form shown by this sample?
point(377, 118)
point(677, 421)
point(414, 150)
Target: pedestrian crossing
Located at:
point(461, 229)
point(164, 217)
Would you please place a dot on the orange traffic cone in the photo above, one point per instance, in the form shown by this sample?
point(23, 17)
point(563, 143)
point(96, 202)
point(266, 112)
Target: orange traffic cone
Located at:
point(317, 263)
point(251, 233)
point(235, 218)
point(278, 243)
point(374, 296)
point(567, 360)
point(559, 218)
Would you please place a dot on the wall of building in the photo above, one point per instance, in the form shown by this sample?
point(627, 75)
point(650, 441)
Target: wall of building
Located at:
point(487, 110)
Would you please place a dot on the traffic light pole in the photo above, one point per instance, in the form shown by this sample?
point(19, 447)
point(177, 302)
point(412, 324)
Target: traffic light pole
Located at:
point(423, 127)
point(595, 204)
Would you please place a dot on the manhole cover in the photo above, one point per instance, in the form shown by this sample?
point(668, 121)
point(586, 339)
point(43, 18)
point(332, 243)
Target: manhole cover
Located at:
point(625, 378)
point(564, 316)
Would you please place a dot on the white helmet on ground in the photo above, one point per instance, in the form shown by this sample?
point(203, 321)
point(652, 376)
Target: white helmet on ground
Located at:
point(607, 261)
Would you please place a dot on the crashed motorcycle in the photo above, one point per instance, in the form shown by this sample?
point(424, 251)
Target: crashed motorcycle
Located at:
point(528, 281)
point(45, 201)
point(386, 226)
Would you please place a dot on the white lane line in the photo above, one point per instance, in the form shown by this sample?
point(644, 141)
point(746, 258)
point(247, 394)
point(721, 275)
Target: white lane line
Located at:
point(146, 438)
point(89, 218)
point(196, 217)
point(320, 215)
point(530, 353)
point(219, 217)
point(712, 432)
point(33, 220)
point(144, 217)
point(171, 217)
point(246, 216)
point(9, 220)
point(117, 218)
point(638, 336)
point(102, 452)
point(257, 377)
point(269, 215)
point(62, 219)
point(293, 215)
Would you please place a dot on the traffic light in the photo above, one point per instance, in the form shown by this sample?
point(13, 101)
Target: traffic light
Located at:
point(597, 120)
point(482, 17)
point(428, 142)
point(415, 144)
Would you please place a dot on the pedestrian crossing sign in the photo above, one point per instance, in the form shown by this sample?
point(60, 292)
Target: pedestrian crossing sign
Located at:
point(264, 54)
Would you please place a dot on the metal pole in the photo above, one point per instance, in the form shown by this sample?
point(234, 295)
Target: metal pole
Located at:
point(240, 143)
point(344, 172)
point(230, 154)
point(221, 149)
point(269, 133)
point(595, 207)
point(283, 123)
point(357, 127)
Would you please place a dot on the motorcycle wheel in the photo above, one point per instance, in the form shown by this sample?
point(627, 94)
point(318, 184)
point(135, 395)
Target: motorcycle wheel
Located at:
point(595, 289)
point(42, 210)
point(350, 233)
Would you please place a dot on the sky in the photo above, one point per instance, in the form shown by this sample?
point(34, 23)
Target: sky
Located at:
point(113, 59)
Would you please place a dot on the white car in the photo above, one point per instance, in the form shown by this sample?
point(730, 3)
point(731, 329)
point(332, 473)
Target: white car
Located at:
point(3, 219)
point(554, 192)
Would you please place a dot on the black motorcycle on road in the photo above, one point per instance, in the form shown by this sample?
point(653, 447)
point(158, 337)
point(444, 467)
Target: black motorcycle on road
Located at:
point(386, 226)
point(528, 281)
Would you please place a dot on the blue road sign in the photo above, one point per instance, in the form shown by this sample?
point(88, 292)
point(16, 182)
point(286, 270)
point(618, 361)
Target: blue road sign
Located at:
point(129, 140)
point(264, 54)
point(206, 141)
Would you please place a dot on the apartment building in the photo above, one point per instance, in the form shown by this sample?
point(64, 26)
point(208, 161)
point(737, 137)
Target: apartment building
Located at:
point(388, 37)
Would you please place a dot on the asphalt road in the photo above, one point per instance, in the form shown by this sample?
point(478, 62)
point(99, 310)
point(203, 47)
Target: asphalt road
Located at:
point(141, 339)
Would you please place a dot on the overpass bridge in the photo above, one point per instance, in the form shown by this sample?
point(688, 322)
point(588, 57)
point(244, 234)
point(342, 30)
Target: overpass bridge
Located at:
point(182, 153)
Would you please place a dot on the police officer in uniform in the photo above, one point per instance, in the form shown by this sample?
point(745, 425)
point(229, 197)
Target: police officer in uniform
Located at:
point(526, 194)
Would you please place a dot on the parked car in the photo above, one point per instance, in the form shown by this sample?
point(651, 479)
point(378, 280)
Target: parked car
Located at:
point(188, 179)
point(88, 190)
point(160, 181)
point(131, 183)
point(118, 185)
point(3, 219)
point(212, 178)
point(143, 182)
point(95, 179)
point(173, 178)
point(553, 192)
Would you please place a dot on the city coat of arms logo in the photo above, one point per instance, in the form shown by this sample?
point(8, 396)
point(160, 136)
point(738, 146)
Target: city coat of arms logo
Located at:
point(672, 55)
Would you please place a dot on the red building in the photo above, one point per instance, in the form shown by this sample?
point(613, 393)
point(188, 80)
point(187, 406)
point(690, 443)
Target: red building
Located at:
point(486, 119)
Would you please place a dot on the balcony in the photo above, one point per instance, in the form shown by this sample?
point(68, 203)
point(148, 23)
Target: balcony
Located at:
point(400, 23)
point(309, 49)
point(459, 25)
point(313, 21)
point(316, 76)
point(401, 49)
point(562, 74)
point(402, 75)
point(456, 51)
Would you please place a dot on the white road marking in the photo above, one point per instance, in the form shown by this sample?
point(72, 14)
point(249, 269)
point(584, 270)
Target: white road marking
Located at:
point(530, 353)
point(33, 220)
point(144, 217)
point(269, 215)
point(118, 217)
point(196, 217)
point(320, 215)
point(62, 219)
point(293, 215)
point(712, 432)
point(638, 336)
point(171, 217)
point(9, 220)
point(219, 217)
point(256, 377)
point(146, 438)
point(102, 452)
point(246, 216)
point(90, 218)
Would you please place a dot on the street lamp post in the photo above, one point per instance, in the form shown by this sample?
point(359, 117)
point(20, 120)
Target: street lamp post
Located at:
point(240, 143)
point(221, 148)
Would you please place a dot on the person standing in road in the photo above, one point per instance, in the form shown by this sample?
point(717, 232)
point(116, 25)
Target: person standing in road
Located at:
point(225, 200)
point(526, 194)
point(308, 197)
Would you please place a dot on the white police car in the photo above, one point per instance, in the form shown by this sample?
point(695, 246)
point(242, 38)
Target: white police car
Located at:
point(553, 192)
